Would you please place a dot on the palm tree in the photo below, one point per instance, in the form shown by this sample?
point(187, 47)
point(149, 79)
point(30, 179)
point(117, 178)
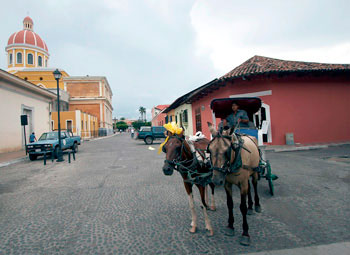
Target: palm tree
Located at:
point(142, 111)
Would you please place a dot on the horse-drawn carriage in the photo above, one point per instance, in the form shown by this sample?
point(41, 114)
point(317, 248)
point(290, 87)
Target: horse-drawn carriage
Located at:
point(234, 159)
point(222, 108)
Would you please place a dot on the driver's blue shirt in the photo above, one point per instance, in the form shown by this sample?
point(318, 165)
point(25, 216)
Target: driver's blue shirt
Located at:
point(232, 119)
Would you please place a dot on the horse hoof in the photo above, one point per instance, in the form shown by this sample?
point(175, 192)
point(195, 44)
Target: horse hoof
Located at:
point(245, 240)
point(212, 208)
point(229, 231)
point(258, 208)
point(193, 230)
point(250, 211)
point(210, 233)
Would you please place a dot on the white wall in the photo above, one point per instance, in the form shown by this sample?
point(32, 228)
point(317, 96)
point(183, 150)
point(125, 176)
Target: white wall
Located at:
point(12, 101)
point(189, 125)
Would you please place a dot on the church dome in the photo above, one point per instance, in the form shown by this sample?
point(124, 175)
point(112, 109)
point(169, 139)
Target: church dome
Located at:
point(27, 37)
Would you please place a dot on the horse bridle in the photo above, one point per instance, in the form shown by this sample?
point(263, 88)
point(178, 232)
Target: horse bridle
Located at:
point(177, 162)
point(233, 146)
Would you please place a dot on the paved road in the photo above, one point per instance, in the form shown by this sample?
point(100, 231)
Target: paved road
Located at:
point(115, 199)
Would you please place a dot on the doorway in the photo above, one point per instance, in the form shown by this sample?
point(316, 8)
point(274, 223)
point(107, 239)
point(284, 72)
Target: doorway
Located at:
point(29, 128)
point(264, 115)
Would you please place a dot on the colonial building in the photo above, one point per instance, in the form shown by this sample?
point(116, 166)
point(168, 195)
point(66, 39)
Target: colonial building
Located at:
point(26, 49)
point(19, 97)
point(93, 95)
point(158, 115)
point(311, 101)
point(27, 58)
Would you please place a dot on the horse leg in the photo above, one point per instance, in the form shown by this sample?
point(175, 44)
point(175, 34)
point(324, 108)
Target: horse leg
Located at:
point(250, 201)
point(206, 194)
point(212, 206)
point(230, 229)
point(245, 239)
point(256, 196)
point(204, 207)
point(188, 188)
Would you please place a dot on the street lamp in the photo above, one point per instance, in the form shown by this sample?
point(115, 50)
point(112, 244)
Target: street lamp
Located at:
point(57, 74)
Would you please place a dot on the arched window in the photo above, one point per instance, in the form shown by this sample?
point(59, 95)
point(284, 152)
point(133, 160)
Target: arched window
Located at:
point(30, 59)
point(40, 61)
point(19, 58)
point(10, 58)
point(45, 62)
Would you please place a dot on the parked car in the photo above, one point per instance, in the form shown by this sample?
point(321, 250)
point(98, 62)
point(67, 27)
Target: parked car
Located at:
point(48, 142)
point(148, 134)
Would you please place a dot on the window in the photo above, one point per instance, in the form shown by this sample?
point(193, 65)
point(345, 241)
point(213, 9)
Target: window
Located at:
point(166, 119)
point(45, 62)
point(40, 61)
point(185, 116)
point(176, 119)
point(198, 119)
point(30, 59)
point(69, 125)
point(82, 125)
point(11, 59)
point(171, 118)
point(19, 58)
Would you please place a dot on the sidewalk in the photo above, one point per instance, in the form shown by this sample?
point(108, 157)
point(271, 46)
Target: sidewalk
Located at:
point(301, 147)
point(333, 249)
point(18, 156)
point(12, 157)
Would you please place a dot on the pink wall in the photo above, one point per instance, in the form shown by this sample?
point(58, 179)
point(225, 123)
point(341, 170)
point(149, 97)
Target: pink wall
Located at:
point(159, 120)
point(315, 110)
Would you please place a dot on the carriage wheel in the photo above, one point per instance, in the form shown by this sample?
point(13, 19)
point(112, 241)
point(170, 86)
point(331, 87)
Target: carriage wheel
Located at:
point(269, 177)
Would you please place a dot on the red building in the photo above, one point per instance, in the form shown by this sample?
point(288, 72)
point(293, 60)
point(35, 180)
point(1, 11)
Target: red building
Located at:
point(158, 117)
point(309, 100)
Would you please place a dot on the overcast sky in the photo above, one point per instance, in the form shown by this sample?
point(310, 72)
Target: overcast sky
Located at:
point(154, 51)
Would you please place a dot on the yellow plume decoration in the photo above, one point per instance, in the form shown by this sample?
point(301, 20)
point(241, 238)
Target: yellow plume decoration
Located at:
point(172, 128)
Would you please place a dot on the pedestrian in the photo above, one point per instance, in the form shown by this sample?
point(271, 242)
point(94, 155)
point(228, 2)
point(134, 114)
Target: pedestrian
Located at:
point(132, 133)
point(32, 138)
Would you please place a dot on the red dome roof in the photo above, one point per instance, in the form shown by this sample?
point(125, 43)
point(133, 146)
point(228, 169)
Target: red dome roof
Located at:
point(27, 37)
point(28, 19)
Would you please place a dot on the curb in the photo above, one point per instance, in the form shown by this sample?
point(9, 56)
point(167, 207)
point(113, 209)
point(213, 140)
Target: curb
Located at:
point(13, 161)
point(285, 148)
point(100, 138)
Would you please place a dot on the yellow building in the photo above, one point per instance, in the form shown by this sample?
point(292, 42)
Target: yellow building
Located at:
point(26, 49)
point(78, 122)
point(27, 58)
point(92, 94)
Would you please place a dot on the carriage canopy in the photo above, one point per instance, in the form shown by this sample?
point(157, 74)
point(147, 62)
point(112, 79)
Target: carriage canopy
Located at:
point(222, 106)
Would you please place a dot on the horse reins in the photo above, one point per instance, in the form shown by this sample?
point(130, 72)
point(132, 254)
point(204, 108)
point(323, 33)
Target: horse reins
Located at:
point(179, 165)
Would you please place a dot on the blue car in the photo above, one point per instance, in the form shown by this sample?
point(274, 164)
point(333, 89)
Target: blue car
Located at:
point(48, 143)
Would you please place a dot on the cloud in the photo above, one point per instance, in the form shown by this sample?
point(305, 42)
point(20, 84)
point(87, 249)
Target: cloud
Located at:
point(231, 32)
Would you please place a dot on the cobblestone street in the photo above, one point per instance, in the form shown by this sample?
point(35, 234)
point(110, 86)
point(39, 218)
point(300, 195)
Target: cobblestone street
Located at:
point(114, 199)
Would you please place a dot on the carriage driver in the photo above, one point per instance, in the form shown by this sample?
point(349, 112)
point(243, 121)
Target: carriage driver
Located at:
point(239, 118)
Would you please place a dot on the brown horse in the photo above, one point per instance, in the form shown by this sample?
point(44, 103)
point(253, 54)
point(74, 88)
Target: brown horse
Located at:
point(180, 157)
point(223, 149)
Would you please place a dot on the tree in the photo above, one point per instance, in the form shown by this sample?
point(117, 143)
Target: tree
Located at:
point(142, 111)
point(122, 118)
point(121, 125)
point(138, 124)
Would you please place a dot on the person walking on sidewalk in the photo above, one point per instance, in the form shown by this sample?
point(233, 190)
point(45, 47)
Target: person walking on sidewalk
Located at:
point(32, 138)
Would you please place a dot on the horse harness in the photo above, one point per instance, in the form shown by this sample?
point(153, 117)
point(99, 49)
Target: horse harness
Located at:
point(237, 147)
point(188, 168)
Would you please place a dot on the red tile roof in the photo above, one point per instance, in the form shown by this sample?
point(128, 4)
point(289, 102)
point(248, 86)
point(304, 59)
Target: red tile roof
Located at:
point(263, 65)
point(162, 106)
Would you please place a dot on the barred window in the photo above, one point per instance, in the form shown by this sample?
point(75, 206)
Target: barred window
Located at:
point(30, 59)
point(19, 58)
